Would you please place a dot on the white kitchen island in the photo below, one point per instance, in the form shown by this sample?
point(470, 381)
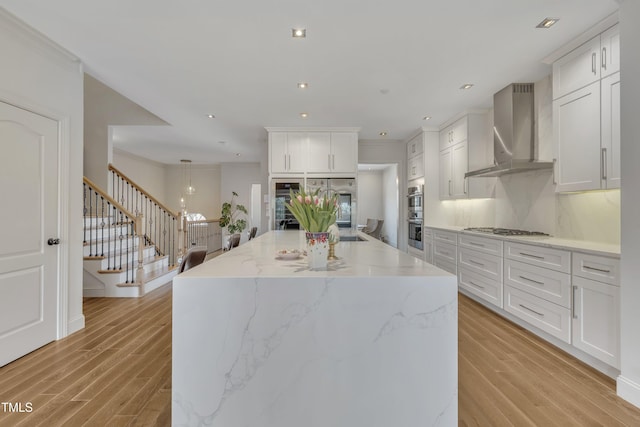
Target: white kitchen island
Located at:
point(261, 342)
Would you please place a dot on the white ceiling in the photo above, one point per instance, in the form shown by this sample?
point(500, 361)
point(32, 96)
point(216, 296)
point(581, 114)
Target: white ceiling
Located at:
point(377, 65)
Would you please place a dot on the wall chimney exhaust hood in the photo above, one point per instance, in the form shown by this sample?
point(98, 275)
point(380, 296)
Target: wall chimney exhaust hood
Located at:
point(514, 145)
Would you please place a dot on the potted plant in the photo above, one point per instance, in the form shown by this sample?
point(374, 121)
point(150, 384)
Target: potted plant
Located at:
point(231, 216)
point(315, 215)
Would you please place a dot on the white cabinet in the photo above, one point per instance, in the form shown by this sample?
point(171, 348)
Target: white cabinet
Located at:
point(332, 152)
point(454, 133)
point(610, 51)
point(454, 163)
point(610, 129)
point(596, 307)
point(415, 157)
point(415, 146)
point(577, 69)
point(480, 267)
point(586, 115)
point(287, 152)
point(415, 167)
point(588, 63)
point(427, 240)
point(537, 287)
point(465, 145)
point(326, 153)
point(445, 250)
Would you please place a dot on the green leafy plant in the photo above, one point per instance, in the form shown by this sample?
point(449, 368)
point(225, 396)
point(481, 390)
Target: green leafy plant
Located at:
point(315, 214)
point(229, 215)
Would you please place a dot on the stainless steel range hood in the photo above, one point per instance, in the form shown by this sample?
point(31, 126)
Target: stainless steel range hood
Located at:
point(514, 145)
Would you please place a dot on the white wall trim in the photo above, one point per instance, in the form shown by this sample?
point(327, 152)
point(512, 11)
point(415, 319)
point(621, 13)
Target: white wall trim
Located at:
point(74, 325)
point(628, 390)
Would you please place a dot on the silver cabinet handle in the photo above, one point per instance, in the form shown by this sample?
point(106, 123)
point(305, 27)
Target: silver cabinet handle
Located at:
point(289, 156)
point(476, 244)
point(555, 182)
point(476, 263)
point(449, 187)
point(603, 159)
point(531, 280)
point(285, 162)
point(531, 255)
point(475, 284)
point(604, 58)
point(573, 302)
point(531, 310)
point(328, 161)
point(593, 63)
point(596, 269)
point(333, 160)
point(464, 186)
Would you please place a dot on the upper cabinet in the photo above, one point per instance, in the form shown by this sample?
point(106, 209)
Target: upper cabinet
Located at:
point(315, 152)
point(586, 115)
point(333, 152)
point(415, 157)
point(595, 59)
point(465, 145)
point(287, 152)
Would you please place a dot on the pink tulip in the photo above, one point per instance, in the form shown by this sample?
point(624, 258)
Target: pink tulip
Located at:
point(307, 200)
point(299, 198)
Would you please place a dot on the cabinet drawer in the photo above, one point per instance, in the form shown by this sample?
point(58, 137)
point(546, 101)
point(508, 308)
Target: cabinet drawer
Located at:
point(483, 287)
point(445, 236)
point(602, 269)
point(554, 259)
point(549, 285)
point(487, 265)
point(482, 244)
point(549, 317)
point(444, 264)
point(446, 251)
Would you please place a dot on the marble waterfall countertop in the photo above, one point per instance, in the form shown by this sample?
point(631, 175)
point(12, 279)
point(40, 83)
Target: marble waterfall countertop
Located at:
point(263, 342)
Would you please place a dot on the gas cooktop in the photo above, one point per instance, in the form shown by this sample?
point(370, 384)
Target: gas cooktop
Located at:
point(505, 231)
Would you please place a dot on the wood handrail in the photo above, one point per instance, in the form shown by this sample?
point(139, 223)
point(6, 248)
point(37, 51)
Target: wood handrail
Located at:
point(140, 189)
point(108, 198)
point(204, 221)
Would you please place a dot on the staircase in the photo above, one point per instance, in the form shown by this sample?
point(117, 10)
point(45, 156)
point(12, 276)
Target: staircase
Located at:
point(132, 243)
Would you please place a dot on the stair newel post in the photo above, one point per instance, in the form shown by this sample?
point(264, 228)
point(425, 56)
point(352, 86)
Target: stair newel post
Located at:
point(139, 234)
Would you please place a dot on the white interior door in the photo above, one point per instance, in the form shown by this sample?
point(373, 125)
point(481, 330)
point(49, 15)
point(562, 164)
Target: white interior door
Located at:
point(28, 218)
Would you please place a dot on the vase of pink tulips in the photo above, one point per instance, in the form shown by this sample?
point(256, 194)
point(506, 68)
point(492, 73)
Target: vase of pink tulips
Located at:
point(315, 213)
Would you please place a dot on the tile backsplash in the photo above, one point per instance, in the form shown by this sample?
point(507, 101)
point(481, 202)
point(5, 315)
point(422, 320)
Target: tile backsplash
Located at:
point(528, 201)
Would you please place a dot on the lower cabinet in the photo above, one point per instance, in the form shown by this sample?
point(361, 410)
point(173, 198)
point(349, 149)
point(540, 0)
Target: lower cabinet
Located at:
point(570, 295)
point(547, 316)
point(596, 306)
point(445, 250)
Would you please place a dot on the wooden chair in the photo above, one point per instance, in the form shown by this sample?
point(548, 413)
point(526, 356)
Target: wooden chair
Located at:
point(191, 259)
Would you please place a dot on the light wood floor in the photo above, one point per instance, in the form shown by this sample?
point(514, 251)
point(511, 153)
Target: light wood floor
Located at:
point(117, 372)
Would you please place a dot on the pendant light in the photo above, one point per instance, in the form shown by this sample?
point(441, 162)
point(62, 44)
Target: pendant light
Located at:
point(186, 178)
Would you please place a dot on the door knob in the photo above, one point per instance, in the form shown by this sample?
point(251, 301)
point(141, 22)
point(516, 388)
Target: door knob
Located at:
point(53, 241)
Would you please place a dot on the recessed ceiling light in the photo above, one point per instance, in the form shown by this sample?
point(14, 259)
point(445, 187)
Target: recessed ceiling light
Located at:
point(466, 86)
point(304, 115)
point(547, 22)
point(426, 118)
point(303, 85)
point(237, 154)
point(383, 133)
point(211, 116)
point(299, 33)
point(222, 142)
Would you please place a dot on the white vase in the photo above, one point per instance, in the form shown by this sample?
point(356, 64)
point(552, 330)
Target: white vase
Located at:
point(317, 250)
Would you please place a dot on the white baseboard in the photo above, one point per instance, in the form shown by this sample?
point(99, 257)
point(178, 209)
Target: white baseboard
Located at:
point(629, 390)
point(75, 325)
